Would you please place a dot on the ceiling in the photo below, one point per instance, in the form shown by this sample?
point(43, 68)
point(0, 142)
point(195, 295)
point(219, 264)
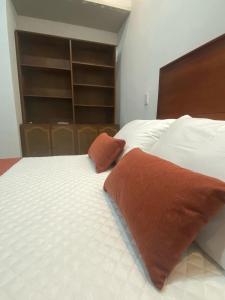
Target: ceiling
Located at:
point(123, 4)
point(78, 12)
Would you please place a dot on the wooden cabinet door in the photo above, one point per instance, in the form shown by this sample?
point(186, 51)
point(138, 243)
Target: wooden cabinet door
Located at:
point(86, 134)
point(36, 140)
point(110, 129)
point(63, 142)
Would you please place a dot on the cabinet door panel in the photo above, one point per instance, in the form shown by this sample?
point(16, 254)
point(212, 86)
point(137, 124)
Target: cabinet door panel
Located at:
point(110, 129)
point(36, 140)
point(62, 140)
point(86, 134)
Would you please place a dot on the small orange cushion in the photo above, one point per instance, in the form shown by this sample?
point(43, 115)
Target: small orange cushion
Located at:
point(104, 151)
point(164, 205)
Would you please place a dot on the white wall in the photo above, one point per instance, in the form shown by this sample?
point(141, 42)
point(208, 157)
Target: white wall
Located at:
point(157, 32)
point(12, 26)
point(66, 30)
point(9, 110)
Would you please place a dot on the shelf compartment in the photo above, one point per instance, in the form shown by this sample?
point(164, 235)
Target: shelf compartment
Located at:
point(88, 75)
point(42, 83)
point(43, 51)
point(43, 65)
point(93, 96)
point(39, 110)
point(94, 105)
point(48, 93)
point(93, 65)
point(93, 53)
point(94, 85)
point(94, 115)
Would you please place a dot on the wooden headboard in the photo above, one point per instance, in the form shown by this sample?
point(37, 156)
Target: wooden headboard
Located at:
point(194, 84)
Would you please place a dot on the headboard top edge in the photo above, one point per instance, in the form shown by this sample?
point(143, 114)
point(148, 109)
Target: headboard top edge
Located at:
point(221, 37)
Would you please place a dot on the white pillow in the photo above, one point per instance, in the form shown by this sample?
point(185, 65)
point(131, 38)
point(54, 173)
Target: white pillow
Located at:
point(142, 133)
point(199, 145)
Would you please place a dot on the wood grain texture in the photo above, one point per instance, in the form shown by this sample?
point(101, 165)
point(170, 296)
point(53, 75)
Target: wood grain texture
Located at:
point(63, 140)
point(194, 84)
point(37, 140)
point(109, 129)
point(86, 134)
point(55, 139)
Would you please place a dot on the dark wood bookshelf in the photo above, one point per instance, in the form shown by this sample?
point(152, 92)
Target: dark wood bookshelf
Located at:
point(64, 81)
point(45, 67)
point(53, 69)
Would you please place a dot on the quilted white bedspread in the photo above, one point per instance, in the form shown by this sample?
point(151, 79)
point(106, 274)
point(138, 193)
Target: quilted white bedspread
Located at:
point(62, 239)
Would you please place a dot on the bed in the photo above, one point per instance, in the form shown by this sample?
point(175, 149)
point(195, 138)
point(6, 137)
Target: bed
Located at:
point(62, 238)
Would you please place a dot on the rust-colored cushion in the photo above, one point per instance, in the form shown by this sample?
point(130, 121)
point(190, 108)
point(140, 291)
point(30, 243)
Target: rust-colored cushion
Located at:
point(104, 151)
point(164, 206)
point(7, 163)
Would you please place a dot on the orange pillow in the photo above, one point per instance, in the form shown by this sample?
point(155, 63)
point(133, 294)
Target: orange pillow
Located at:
point(164, 205)
point(104, 151)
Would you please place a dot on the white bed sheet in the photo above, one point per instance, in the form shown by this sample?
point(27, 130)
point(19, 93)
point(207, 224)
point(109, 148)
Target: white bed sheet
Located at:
point(61, 239)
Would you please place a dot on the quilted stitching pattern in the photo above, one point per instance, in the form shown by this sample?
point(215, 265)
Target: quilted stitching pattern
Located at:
point(61, 238)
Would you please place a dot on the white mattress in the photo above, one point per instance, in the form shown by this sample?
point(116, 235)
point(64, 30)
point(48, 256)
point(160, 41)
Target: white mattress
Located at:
point(62, 239)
